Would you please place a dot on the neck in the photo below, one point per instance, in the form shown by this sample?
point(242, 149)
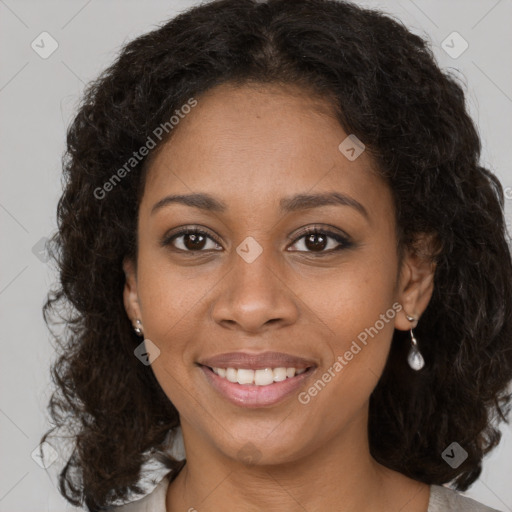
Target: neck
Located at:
point(338, 474)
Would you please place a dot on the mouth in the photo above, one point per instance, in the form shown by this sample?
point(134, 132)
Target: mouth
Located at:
point(246, 387)
point(260, 377)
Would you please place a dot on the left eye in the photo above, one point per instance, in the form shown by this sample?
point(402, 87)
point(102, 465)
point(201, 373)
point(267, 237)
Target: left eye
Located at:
point(317, 241)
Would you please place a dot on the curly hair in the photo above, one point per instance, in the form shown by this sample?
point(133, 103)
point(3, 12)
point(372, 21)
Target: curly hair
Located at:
point(385, 87)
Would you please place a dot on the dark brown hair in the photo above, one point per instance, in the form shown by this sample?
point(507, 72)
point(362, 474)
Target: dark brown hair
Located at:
point(389, 92)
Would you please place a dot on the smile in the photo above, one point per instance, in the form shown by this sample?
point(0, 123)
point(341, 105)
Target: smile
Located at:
point(256, 388)
point(262, 377)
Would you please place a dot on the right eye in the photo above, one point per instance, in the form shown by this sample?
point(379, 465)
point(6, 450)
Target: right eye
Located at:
point(191, 240)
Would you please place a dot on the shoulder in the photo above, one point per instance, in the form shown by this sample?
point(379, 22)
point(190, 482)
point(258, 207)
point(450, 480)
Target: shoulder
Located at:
point(445, 499)
point(152, 502)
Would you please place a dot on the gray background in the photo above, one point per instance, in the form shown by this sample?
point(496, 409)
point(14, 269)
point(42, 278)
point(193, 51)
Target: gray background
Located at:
point(37, 100)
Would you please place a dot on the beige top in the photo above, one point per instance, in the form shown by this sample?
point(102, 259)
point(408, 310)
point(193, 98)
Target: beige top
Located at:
point(442, 499)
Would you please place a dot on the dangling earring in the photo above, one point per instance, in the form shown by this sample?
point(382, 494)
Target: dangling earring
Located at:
point(415, 359)
point(138, 329)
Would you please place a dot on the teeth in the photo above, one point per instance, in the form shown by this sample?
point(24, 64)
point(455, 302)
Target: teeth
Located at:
point(231, 374)
point(262, 377)
point(245, 376)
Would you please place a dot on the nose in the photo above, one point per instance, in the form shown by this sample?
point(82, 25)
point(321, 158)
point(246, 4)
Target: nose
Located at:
point(254, 297)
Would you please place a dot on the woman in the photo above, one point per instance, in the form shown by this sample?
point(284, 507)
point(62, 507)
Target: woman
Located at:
point(279, 244)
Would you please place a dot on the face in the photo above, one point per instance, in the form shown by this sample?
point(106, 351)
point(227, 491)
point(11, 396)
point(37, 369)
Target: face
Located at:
point(271, 271)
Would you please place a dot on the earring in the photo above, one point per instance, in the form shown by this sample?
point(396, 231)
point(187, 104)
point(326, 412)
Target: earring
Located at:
point(138, 329)
point(414, 358)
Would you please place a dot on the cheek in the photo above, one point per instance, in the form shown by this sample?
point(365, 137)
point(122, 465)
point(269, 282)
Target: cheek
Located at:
point(170, 295)
point(358, 345)
point(351, 297)
point(353, 305)
point(169, 304)
point(169, 307)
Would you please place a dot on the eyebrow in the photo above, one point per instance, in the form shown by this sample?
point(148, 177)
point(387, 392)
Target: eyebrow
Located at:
point(287, 204)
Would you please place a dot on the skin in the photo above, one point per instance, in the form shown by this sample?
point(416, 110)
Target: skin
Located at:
point(251, 146)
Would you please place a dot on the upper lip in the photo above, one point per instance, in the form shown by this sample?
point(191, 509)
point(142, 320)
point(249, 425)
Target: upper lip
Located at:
point(256, 361)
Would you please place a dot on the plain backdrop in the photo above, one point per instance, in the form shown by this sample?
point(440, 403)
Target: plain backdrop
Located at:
point(38, 97)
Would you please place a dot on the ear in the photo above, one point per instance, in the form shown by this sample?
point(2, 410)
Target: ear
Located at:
point(416, 282)
point(130, 295)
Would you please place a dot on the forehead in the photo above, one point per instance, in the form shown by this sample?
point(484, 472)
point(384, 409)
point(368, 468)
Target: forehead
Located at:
point(253, 144)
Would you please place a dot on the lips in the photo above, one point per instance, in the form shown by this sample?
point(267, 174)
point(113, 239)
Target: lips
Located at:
point(253, 396)
point(257, 361)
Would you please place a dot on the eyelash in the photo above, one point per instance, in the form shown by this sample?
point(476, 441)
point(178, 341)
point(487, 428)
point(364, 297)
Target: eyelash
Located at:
point(344, 242)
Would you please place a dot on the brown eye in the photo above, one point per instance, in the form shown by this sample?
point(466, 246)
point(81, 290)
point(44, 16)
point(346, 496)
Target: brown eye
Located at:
point(194, 241)
point(317, 241)
point(191, 240)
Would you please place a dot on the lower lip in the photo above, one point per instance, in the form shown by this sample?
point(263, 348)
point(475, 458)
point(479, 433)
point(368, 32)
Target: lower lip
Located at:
point(249, 395)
